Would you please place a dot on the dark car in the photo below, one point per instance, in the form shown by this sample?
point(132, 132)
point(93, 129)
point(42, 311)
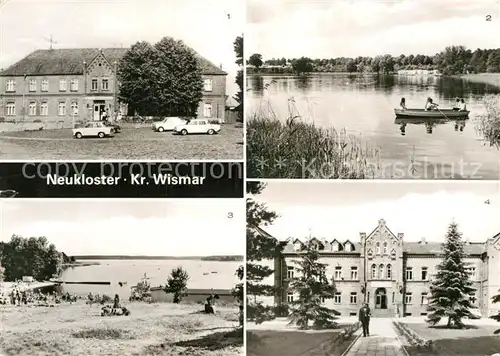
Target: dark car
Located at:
point(116, 128)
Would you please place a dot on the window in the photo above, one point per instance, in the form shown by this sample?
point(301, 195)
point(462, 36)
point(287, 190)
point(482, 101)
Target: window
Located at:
point(385, 248)
point(207, 110)
point(408, 298)
point(337, 298)
point(322, 299)
point(45, 85)
point(289, 272)
point(335, 246)
point(11, 109)
point(377, 248)
point(105, 84)
point(348, 247)
point(381, 272)
point(374, 271)
point(62, 85)
point(61, 109)
point(393, 297)
point(32, 85)
point(74, 85)
point(297, 246)
point(207, 85)
point(409, 273)
point(472, 299)
point(424, 273)
point(338, 273)
point(289, 297)
point(370, 254)
point(354, 298)
point(93, 85)
point(74, 108)
point(423, 298)
point(393, 254)
point(32, 109)
point(44, 108)
point(354, 273)
point(10, 85)
point(388, 272)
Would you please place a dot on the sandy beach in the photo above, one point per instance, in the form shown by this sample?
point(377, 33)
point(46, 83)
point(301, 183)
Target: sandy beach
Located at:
point(151, 329)
point(486, 78)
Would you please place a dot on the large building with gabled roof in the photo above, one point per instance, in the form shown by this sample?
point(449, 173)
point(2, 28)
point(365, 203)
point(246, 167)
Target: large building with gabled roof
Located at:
point(79, 84)
point(392, 275)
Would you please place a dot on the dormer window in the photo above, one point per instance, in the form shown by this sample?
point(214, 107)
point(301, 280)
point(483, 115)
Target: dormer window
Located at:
point(335, 246)
point(385, 249)
point(377, 248)
point(348, 247)
point(297, 246)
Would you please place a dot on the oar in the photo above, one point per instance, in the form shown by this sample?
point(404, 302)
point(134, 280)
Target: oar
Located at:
point(442, 112)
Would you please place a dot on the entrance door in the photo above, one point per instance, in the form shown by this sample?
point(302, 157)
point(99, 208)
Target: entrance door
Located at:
point(381, 298)
point(99, 108)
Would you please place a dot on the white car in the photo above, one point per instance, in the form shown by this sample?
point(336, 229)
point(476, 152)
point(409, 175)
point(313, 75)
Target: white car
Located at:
point(93, 129)
point(168, 124)
point(198, 126)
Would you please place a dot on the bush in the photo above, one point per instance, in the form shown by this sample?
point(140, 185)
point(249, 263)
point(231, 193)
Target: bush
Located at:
point(2, 119)
point(37, 120)
point(413, 338)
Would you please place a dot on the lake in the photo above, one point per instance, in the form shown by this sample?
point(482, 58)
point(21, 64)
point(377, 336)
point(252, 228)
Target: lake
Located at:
point(364, 106)
point(131, 271)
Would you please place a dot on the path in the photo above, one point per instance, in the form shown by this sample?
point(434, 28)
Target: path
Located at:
point(383, 341)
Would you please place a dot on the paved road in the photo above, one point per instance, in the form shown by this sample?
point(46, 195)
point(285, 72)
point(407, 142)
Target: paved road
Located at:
point(383, 341)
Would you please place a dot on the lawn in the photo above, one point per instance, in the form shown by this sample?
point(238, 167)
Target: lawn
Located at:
point(134, 142)
point(152, 329)
point(296, 343)
point(474, 340)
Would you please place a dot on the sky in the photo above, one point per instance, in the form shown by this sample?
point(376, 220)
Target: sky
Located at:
point(129, 227)
point(418, 209)
point(25, 25)
point(351, 28)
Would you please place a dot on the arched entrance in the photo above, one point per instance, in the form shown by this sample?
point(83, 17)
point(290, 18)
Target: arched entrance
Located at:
point(380, 298)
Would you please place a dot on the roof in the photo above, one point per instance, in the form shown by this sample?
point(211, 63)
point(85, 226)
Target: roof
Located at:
point(70, 61)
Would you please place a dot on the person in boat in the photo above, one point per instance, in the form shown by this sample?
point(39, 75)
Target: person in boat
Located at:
point(456, 107)
point(430, 105)
point(462, 106)
point(402, 104)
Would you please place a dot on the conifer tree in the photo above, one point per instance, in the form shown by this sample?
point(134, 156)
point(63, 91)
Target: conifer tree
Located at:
point(313, 288)
point(451, 289)
point(259, 248)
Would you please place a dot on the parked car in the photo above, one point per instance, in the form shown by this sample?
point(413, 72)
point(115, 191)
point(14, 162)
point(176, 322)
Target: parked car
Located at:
point(116, 128)
point(93, 129)
point(168, 123)
point(198, 126)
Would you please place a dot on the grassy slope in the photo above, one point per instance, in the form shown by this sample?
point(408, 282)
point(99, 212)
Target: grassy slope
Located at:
point(151, 329)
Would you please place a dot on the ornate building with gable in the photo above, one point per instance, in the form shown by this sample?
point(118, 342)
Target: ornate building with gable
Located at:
point(392, 275)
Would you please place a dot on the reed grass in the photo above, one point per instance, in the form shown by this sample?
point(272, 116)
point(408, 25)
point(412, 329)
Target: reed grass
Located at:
point(295, 148)
point(488, 124)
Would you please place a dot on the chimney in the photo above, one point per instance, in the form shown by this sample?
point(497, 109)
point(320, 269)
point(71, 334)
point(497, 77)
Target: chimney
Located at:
point(362, 237)
point(220, 66)
point(381, 222)
point(400, 235)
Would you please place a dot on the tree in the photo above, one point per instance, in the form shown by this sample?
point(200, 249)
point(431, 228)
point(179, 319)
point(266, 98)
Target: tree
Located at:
point(238, 292)
point(451, 289)
point(350, 66)
point(313, 288)
point(302, 65)
point(259, 247)
point(256, 60)
point(238, 49)
point(164, 79)
point(496, 299)
point(177, 284)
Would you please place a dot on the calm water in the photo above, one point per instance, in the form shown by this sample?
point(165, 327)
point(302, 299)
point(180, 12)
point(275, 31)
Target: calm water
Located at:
point(131, 271)
point(364, 106)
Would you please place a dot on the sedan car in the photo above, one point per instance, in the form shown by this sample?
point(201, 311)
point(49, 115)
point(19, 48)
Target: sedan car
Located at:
point(93, 129)
point(198, 126)
point(168, 124)
point(116, 128)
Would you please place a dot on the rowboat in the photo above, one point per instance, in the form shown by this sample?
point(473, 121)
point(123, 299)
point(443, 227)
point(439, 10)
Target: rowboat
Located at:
point(439, 114)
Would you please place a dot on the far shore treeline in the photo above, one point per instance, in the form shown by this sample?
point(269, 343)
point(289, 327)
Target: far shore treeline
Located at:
point(453, 60)
point(126, 257)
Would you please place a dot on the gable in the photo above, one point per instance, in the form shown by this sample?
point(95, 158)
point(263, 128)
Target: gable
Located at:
point(100, 67)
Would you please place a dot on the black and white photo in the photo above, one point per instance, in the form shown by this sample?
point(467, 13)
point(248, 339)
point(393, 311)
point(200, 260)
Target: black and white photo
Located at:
point(373, 89)
point(104, 277)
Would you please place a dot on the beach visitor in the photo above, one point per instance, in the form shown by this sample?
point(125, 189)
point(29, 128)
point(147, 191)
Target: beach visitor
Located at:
point(402, 104)
point(116, 304)
point(364, 318)
point(430, 105)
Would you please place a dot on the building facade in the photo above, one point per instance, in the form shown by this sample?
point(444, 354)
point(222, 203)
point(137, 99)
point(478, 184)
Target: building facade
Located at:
point(391, 275)
point(68, 85)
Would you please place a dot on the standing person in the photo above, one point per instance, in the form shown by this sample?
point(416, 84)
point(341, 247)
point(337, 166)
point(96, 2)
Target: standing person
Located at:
point(364, 318)
point(116, 304)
